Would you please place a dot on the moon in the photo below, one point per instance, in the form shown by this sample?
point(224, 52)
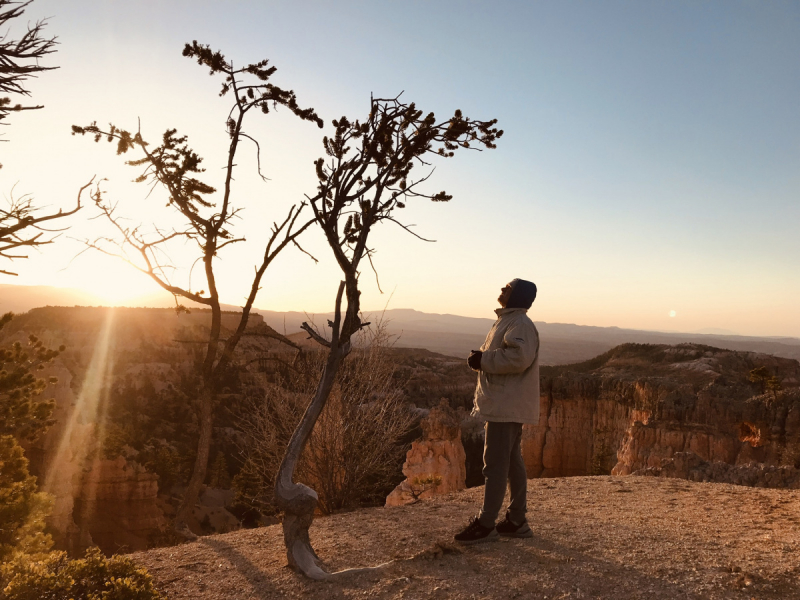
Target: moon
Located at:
point(672, 313)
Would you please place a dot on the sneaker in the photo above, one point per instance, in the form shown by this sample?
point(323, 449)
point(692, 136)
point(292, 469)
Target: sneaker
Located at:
point(475, 533)
point(508, 528)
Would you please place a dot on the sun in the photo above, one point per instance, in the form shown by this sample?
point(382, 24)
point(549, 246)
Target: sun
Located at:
point(672, 313)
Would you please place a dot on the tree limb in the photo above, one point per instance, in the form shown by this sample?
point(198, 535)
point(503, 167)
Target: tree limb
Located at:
point(313, 334)
point(20, 216)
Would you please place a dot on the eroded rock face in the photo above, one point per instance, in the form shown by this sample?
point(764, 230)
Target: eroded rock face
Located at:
point(637, 406)
point(117, 507)
point(688, 465)
point(112, 503)
point(435, 464)
point(211, 514)
point(109, 503)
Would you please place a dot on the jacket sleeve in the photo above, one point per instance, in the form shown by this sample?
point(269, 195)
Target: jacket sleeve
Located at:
point(520, 345)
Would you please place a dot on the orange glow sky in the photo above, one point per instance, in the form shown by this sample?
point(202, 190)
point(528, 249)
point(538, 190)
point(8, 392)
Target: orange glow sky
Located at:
point(648, 177)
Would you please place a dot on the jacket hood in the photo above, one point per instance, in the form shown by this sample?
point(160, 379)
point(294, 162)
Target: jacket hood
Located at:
point(523, 293)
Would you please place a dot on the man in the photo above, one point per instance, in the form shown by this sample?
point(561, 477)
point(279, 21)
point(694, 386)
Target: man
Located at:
point(507, 396)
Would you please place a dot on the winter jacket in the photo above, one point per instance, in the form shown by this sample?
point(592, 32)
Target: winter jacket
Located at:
point(508, 383)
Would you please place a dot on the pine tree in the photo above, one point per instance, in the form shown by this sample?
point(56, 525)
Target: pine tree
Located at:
point(19, 61)
point(218, 476)
point(24, 413)
point(22, 509)
point(774, 386)
point(760, 375)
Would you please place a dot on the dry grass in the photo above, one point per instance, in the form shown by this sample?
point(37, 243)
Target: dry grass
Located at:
point(355, 448)
point(594, 537)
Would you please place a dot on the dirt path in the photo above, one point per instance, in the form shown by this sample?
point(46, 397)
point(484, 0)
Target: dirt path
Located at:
point(594, 537)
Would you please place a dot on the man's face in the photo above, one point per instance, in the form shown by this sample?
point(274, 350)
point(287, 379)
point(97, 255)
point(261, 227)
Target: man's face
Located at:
point(505, 294)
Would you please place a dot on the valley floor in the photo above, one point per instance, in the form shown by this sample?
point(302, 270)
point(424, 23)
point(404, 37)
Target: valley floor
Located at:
point(594, 537)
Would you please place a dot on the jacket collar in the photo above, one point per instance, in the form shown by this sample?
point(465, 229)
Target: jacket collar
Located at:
point(507, 311)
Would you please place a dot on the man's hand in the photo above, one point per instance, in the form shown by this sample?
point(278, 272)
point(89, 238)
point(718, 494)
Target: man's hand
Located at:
point(474, 360)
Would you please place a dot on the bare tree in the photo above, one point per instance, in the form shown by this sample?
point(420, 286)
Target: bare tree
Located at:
point(19, 59)
point(364, 181)
point(173, 165)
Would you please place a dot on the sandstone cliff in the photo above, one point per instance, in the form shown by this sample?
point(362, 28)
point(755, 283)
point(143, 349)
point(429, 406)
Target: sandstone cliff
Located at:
point(435, 464)
point(637, 405)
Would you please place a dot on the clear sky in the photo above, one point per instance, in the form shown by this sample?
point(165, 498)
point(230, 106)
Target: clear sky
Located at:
point(650, 165)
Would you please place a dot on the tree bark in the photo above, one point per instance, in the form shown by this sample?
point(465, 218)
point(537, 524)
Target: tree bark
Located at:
point(200, 464)
point(299, 501)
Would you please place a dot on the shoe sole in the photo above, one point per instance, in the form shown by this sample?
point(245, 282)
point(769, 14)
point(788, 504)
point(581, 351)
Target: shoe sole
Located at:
point(527, 533)
point(492, 537)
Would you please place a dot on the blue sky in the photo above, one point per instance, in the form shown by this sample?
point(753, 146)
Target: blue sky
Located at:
point(651, 161)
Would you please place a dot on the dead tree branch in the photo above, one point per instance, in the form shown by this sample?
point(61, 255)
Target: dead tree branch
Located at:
point(20, 227)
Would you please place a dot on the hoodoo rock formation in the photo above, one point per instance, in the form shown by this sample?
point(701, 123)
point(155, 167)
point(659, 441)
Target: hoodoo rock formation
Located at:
point(435, 464)
point(637, 406)
point(117, 505)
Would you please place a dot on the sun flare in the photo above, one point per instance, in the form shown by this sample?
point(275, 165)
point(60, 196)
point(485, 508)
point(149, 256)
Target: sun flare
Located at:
point(116, 285)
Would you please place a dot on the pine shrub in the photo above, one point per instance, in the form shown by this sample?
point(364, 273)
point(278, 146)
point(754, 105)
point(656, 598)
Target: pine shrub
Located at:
point(23, 509)
point(93, 577)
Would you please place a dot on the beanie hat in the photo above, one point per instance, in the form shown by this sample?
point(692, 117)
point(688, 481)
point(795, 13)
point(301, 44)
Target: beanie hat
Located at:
point(523, 293)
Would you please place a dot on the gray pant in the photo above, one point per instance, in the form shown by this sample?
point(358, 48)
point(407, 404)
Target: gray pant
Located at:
point(502, 463)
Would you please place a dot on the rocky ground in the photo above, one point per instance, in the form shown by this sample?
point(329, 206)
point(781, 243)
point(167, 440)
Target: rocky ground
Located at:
point(594, 537)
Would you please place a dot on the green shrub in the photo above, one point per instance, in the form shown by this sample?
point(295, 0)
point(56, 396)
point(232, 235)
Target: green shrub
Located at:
point(93, 577)
point(22, 508)
point(24, 413)
point(249, 503)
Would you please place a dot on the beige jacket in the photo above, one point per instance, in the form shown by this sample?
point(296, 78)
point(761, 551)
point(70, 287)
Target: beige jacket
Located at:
point(508, 383)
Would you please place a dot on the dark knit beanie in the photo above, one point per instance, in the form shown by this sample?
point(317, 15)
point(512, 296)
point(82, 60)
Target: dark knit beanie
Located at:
point(523, 293)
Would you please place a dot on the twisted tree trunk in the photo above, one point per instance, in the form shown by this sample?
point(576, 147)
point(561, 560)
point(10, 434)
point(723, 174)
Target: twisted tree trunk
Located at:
point(299, 501)
point(200, 465)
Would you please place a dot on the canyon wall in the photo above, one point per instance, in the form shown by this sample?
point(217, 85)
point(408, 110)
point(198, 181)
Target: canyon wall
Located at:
point(102, 494)
point(111, 503)
point(635, 409)
point(636, 406)
point(117, 507)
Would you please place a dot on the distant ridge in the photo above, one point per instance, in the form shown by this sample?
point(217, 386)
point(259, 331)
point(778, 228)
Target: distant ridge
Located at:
point(562, 343)
point(22, 298)
point(452, 335)
point(716, 331)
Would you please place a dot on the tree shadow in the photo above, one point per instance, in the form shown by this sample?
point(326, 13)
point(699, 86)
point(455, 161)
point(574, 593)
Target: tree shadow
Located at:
point(258, 580)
